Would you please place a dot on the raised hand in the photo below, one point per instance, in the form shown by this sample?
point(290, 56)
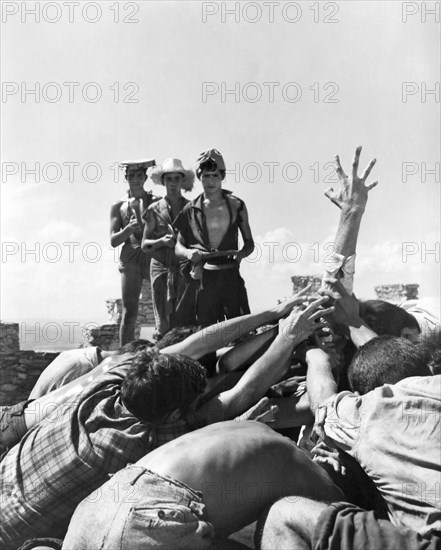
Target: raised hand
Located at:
point(284, 308)
point(353, 191)
point(303, 321)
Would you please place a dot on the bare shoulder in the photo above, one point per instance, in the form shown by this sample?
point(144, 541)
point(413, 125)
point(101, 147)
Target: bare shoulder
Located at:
point(117, 205)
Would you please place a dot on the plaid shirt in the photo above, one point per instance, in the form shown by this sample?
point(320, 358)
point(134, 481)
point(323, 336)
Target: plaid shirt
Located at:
point(62, 460)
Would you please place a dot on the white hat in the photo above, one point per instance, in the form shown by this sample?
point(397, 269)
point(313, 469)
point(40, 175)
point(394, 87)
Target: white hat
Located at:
point(173, 165)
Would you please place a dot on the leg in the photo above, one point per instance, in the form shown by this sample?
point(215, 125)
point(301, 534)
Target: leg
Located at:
point(131, 283)
point(289, 524)
point(158, 279)
point(343, 525)
point(234, 294)
point(209, 301)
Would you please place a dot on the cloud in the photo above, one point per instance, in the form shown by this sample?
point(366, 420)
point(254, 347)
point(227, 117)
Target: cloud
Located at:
point(279, 256)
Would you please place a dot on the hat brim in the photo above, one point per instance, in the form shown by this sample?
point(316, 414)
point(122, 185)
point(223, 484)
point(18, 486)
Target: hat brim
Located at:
point(189, 177)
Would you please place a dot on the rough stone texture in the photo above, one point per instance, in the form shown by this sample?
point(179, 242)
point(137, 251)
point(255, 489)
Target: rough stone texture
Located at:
point(300, 281)
point(9, 338)
point(107, 336)
point(397, 292)
point(114, 309)
point(104, 336)
point(19, 369)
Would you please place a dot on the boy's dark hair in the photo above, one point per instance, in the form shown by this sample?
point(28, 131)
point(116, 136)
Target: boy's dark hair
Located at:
point(386, 360)
point(134, 346)
point(157, 384)
point(211, 166)
point(385, 318)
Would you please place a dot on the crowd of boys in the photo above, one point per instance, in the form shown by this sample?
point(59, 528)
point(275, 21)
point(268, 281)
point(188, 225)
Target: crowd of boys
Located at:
point(139, 449)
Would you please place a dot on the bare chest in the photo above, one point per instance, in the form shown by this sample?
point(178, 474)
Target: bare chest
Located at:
point(218, 221)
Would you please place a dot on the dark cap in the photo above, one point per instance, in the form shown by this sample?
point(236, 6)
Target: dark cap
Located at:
point(210, 154)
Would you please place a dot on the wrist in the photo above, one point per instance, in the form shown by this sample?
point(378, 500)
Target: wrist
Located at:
point(288, 340)
point(353, 210)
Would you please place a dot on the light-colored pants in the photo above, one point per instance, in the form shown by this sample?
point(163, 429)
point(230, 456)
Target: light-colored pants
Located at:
point(138, 509)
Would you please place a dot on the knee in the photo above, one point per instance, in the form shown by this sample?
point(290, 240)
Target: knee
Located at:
point(273, 523)
point(290, 518)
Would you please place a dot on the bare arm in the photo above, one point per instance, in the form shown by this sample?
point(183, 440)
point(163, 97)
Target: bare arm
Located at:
point(149, 244)
point(244, 354)
point(351, 198)
point(320, 381)
point(269, 368)
point(217, 336)
point(245, 231)
point(118, 233)
point(184, 253)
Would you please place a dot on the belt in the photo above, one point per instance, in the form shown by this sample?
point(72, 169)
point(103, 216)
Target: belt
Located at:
point(218, 267)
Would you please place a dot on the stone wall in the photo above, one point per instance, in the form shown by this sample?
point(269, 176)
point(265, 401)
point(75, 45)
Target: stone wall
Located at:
point(19, 369)
point(107, 336)
point(397, 292)
point(300, 281)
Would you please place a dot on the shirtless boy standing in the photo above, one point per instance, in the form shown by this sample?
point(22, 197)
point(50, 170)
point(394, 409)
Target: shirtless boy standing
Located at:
point(126, 226)
point(210, 225)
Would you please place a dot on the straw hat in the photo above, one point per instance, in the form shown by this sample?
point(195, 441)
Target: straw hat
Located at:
point(173, 165)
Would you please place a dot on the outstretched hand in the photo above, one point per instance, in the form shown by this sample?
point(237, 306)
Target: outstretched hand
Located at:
point(285, 308)
point(303, 320)
point(353, 191)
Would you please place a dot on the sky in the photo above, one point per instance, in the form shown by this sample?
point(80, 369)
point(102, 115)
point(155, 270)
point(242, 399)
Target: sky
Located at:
point(278, 88)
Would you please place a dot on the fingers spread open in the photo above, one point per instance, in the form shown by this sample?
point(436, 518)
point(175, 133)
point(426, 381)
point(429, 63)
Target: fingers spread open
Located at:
point(368, 169)
point(372, 185)
point(339, 168)
point(324, 312)
point(329, 193)
point(304, 290)
point(356, 161)
point(312, 308)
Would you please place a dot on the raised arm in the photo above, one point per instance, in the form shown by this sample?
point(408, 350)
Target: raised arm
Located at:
point(245, 353)
point(268, 369)
point(351, 198)
point(217, 336)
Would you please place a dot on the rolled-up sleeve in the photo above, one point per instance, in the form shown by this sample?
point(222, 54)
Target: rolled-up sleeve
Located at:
point(337, 265)
point(342, 421)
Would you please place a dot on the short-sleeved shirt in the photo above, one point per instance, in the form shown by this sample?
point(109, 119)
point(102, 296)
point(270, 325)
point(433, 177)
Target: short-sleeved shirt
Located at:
point(160, 212)
point(63, 459)
point(394, 433)
point(192, 225)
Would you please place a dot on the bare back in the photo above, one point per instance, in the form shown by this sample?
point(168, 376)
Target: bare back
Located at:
point(241, 468)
